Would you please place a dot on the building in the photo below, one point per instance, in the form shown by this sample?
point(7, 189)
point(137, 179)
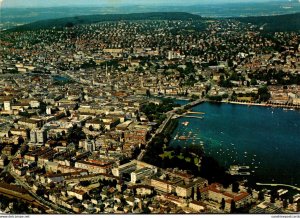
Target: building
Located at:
point(7, 105)
point(30, 123)
point(216, 193)
point(133, 167)
point(125, 168)
point(38, 136)
point(95, 166)
point(136, 137)
point(197, 206)
point(266, 208)
point(140, 174)
point(88, 145)
point(3, 160)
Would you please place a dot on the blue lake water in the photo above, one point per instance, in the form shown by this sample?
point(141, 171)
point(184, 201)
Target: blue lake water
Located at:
point(265, 139)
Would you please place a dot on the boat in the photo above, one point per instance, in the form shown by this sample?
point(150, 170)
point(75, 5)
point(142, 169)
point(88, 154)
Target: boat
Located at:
point(244, 173)
point(182, 137)
point(185, 123)
point(244, 167)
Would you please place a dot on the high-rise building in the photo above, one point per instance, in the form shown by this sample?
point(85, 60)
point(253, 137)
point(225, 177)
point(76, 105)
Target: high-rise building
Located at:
point(33, 136)
point(41, 136)
point(38, 135)
point(48, 110)
point(7, 105)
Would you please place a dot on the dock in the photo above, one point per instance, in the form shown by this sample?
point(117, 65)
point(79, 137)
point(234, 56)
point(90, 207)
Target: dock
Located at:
point(235, 170)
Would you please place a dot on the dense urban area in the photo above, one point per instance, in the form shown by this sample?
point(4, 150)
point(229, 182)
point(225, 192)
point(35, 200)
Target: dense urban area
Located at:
point(85, 120)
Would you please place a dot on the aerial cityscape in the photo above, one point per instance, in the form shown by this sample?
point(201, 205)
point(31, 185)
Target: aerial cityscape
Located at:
point(133, 107)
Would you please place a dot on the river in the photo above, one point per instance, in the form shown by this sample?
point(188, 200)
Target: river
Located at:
point(263, 138)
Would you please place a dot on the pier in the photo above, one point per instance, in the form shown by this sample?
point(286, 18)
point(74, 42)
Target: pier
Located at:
point(195, 112)
point(192, 117)
point(275, 185)
point(188, 116)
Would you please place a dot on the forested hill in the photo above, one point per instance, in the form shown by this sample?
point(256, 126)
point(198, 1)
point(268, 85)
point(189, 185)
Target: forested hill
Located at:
point(276, 23)
point(90, 19)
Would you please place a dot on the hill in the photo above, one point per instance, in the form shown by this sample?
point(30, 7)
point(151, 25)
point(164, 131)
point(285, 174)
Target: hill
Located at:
point(276, 23)
point(90, 19)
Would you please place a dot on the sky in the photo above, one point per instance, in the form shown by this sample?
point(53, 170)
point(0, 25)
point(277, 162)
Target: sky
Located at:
point(55, 3)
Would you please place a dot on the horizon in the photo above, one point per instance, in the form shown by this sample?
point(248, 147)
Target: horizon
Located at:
point(118, 3)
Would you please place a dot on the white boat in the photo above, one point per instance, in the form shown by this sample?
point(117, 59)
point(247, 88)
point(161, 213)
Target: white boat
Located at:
point(185, 123)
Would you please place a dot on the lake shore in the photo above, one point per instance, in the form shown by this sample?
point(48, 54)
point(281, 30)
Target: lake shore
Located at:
point(263, 104)
point(290, 106)
point(227, 135)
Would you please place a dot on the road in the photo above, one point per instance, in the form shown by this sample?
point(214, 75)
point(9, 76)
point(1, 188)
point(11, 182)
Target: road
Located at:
point(159, 130)
point(7, 168)
point(38, 198)
point(169, 114)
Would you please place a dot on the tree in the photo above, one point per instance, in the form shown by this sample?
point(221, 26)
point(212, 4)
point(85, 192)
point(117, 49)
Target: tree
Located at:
point(253, 82)
point(20, 140)
point(274, 195)
point(285, 203)
point(91, 128)
point(234, 96)
point(222, 204)
point(263, 94)
point(85, 183)
point(198, 194)
point(193, 193)
point(232, 206)
point(261, 196)
point(235, 187)
point(194, 97)
point(146, 210)
point(272, 199)
point(249, 191)
point(148, 93)
point(40, 192)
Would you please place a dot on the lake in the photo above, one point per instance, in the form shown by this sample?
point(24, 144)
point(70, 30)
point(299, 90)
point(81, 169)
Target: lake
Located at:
point(263, 138)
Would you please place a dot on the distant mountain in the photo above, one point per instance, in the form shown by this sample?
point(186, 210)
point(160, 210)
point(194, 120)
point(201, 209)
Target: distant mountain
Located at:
point(276, 23)
point(90, 19)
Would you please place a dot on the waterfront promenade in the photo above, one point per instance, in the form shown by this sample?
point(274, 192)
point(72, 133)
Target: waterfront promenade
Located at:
point(275, 185)
point(170, 115)
point(262, 104)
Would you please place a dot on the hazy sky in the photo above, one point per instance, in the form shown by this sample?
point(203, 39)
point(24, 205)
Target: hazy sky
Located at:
point(53, 3)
